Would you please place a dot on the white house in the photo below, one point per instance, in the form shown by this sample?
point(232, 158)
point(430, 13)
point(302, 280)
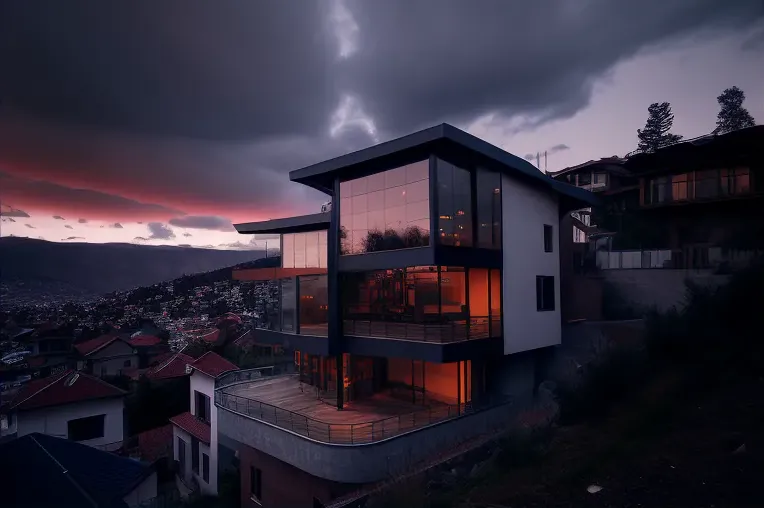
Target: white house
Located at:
point(195, 436)
point(71, 405)
point(107, 355)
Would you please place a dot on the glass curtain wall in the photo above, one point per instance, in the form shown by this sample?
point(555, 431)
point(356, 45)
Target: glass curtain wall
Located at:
point(488, 193)
point(386, 211)
point(288, 305)
point(424, 303)
point(314, 305)
point(454, 205)
point(304, 250)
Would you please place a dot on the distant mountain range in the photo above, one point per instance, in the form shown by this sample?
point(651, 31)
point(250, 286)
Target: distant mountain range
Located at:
point(37, 269)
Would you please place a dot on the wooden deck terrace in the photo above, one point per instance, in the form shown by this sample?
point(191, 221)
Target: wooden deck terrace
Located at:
point(285, 402)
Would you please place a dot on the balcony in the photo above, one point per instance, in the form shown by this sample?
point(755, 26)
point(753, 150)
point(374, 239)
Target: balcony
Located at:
point(477, 327)
point(284, 402)
point(370, 439)
point(700, 186)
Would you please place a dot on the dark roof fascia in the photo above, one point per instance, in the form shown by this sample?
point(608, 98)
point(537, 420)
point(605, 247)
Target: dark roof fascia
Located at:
point(608, 165)
point(320, 175)
point(299, 224)
point(710, 147)
point(422, 143)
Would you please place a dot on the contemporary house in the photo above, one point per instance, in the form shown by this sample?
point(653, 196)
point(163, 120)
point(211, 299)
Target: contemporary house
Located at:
point(71, 405)
point(416, 306)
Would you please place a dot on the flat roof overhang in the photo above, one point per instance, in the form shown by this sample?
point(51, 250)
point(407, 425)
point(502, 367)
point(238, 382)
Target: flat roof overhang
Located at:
point(744, 146)
point(443, 138)
point(299, 224)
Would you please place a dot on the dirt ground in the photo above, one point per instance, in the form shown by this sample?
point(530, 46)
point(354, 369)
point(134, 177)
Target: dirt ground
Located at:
point(672, 447)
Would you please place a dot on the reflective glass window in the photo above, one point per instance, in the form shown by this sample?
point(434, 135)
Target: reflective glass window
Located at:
point(304, 250)
point(488, 193)
point(454, 205)
point(386, 211)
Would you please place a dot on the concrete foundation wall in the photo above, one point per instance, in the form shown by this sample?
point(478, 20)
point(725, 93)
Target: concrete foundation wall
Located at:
point(515, 377)
point(359, 463)
point(662, 288)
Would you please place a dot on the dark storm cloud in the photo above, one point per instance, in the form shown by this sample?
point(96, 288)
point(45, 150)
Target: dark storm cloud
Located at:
point(202, 222)
point(45, 195)
point(222, 70)
point(755, 42)
point(9, 211)
point(58, 217)
point(555, 149)
point(217, 177)
point(559, 148)
point(69, 227)
point(187, 235)
point(82, 221)
point(160, 231)
point(422, 62)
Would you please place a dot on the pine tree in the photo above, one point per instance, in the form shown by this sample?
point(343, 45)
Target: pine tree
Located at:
point(656, 132)
point(732, 115)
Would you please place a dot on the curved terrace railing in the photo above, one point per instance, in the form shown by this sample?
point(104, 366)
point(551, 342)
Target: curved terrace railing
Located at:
point(249, 375)
point(341, 433)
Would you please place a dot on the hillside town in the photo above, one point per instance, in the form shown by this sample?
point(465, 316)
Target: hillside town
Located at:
point(224, 387)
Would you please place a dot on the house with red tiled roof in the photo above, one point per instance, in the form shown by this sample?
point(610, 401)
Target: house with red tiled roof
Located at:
point(73, 405)
point(141, 340)
point(151, 445)
point(195, 438)
point(107, 355)
point(170, 368)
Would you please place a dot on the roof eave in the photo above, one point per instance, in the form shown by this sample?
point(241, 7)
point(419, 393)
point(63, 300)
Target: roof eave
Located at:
point(298, 224)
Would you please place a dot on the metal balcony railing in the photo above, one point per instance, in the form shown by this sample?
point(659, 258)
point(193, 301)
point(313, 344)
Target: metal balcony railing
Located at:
point(477, 327)
point(253, 374)
point(341, 433)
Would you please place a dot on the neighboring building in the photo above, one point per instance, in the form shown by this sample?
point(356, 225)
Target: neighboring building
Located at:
point(49, 345)
point(195, 436)
point(147, 348)
point(41, 470)
point(692, 209)
point(108, 355)
point(152, 445)
point(417, 307)
point(72, 405)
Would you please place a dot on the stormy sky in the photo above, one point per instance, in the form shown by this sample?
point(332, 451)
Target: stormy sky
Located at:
point(173, 119)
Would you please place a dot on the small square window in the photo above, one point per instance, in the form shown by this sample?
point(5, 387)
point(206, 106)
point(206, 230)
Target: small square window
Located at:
point(544, 293)
point(548, 238)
